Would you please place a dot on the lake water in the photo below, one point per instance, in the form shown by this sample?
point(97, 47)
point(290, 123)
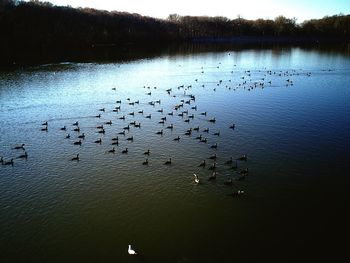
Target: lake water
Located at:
point(291, 110)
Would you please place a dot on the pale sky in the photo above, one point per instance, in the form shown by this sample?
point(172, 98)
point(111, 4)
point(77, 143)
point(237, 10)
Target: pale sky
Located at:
point(249, 9)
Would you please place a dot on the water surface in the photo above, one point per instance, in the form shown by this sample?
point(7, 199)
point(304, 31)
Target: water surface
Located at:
point(291, 111)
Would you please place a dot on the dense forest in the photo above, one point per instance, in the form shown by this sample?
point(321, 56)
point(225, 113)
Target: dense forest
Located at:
point(40, 25)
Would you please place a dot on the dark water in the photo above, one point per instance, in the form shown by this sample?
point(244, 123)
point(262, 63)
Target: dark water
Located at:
point(294, 130)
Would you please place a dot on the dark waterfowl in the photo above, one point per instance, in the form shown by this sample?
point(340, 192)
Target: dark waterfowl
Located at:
point(238, 193)
point(202, 164)
point(45, 128)
point(108, 122)
point(229, 161)
point(102, 131)
point(112, 150)
point(64, 128)
point(76, 129)
point(214, 146)
point(76, 123)
point(98, 141)
point(68, 136)
point(11, 162)
point(168, 161)
point(145, 162)
point(147, 152)
point(100, 127)
point(44, 123)
point(244, 157)
point(19, 147)
point(213, 157)
point(177, 138)
point(212, 167)
point(160, 132)
point(125, 151)
point(82, 136)
point(77, 142)
point(23, 156)
point(228, 182)
point(212, 177)
point(131, 138)
point(76, 158)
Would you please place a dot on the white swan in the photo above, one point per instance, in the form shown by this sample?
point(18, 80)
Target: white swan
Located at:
point(196, 179)
point(131, 251)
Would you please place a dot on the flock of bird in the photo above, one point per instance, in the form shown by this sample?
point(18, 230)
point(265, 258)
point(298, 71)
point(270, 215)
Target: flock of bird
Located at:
point(184, 108)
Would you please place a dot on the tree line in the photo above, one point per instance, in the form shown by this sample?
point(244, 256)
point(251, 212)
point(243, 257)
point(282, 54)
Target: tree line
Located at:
point(41, 25)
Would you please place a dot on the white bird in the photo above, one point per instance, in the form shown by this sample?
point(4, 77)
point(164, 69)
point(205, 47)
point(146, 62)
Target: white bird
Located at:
point(196, 179)
point(131, 251)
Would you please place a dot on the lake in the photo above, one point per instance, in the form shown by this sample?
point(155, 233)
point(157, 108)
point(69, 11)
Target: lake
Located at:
point(291, 113)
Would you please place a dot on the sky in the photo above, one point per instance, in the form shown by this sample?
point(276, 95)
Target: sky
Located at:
point(248, 9)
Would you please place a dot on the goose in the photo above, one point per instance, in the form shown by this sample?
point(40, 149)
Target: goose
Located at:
point(122, 133)
point(125, 151)
point(161, 110)
point(168, 162)
point(161, 122)
point(98, 116)
point(160, 132)
point(212, 177)
point(23, 156)
point(191, 116)
point(232, 126)
point(102, 109)
point(131, 138)
point(170, 113)
point(244, 157)
point(77, 142)
point(212, 167)
point(112, 150)
point(177, 138)
point(196, 179)
point(213, 157)
point(45, 129)
point(127, 128)
point(131, 251)
point(82, 136)
point(76, 123)
point(68, 136)
point(145, 162)
point(229, 161)
point(194, 107)
point(212, 120)
point(2, 160)
point(108, 122)
point(115, 143)
point(76, 158)
point(132, 103)
point(163, 118)
point(140, 111)
point(63, 128)
point(238, 193)
point(199, 137)
point(137, 125)
point(102, 131)
point(149, 116)
point(204, 113)
point(122, 118)
point(206, 130)
point(115, 139)
point(100, 127)
point(202, 164)
point(147, 152)
point(187, 120)
point(214, 146)
point(77, 129)
point(235, 166)
point(131, 113)
point(244, 171)
point(137, 102)
point(196, 128)
point(205, 140)
point(19, 146)
point(11, 162)
point(118, 101)
point(228, 182)
point(44, 123)
point(171, 126)
point(216, 133)
point(98, 141)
